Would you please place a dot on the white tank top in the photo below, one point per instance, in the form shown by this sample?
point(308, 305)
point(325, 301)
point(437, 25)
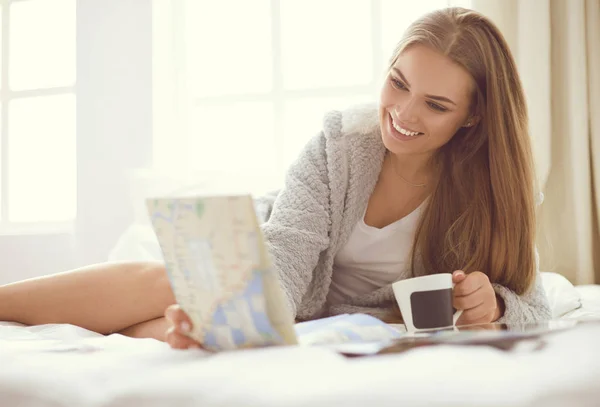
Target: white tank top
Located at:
point(373, 258)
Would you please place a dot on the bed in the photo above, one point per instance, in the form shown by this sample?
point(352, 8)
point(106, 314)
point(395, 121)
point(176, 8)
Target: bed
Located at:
point(64, 365)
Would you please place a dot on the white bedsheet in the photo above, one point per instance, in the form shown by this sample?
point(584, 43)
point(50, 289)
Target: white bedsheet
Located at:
point(62, 365)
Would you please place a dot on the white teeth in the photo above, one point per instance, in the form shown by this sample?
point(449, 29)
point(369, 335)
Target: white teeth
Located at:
point(404, 131)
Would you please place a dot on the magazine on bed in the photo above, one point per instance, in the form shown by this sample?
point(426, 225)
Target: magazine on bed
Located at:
point(221, 275)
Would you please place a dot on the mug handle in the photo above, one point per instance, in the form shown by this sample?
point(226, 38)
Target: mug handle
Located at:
point(457, 315)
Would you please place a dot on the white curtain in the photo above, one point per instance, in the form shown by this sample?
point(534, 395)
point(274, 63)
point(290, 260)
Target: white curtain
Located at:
point(557, 46)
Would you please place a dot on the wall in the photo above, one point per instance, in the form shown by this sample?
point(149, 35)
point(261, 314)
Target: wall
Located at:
point(114, 135)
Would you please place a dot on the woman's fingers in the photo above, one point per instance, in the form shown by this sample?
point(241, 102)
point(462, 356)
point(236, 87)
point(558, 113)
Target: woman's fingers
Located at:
point(474, 295)
point(477, 315)
point(177, 340)
point(178, 318)
point(180, 325)
point(469, 301)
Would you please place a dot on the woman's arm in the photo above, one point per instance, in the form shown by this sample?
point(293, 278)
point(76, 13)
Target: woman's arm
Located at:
point(297, 230)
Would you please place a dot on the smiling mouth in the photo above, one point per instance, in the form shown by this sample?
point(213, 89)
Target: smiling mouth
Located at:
point(403, 131)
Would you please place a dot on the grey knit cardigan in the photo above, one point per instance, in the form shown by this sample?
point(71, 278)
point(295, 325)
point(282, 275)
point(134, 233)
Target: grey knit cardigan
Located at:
point(309, 220)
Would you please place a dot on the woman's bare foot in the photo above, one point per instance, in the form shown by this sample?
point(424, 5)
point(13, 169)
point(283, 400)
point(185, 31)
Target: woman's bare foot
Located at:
point(155, 329)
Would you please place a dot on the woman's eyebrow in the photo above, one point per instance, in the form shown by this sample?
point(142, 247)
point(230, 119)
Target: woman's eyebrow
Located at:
point(440, 98)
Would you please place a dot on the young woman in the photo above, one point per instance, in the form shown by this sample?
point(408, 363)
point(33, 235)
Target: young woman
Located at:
point(438, 178)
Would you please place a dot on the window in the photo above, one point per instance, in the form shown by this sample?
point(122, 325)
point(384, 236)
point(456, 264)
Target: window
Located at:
point(37, 114)
point(252, 80)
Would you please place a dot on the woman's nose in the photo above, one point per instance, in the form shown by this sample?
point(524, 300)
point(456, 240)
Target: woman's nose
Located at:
point(407, 112)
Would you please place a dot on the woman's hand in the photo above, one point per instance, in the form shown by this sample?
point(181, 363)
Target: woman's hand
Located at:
point(474, 294)
point(178, 325)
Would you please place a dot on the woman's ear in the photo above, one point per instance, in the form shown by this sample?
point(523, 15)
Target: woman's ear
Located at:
point(471, 121)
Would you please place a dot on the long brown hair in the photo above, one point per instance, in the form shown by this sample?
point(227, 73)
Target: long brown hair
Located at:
point(481, 215)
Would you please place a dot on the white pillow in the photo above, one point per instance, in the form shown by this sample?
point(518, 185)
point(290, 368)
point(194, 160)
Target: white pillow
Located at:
point(562, 295)
point(137, 243)
point(590, 296)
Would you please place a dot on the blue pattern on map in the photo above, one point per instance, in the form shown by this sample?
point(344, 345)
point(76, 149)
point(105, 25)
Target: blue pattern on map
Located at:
point(238, 336)
point(259, 317)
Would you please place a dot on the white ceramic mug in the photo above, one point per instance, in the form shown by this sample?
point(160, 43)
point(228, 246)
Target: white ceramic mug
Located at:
point(426, 302)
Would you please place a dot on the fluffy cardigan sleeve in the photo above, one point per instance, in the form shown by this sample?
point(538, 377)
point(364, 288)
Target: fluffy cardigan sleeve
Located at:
point(297, 230)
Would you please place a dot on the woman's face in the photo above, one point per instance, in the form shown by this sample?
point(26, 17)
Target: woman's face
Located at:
point(425, 99)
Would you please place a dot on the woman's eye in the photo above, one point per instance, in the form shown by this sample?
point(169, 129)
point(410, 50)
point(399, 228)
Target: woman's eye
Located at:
point(436, 107)
point(397, 84)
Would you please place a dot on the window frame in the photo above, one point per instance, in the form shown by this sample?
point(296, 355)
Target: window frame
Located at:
point(8, 227)
point(185, 103)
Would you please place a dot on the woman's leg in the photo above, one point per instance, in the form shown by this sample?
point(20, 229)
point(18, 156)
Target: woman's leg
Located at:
point(104, 298)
